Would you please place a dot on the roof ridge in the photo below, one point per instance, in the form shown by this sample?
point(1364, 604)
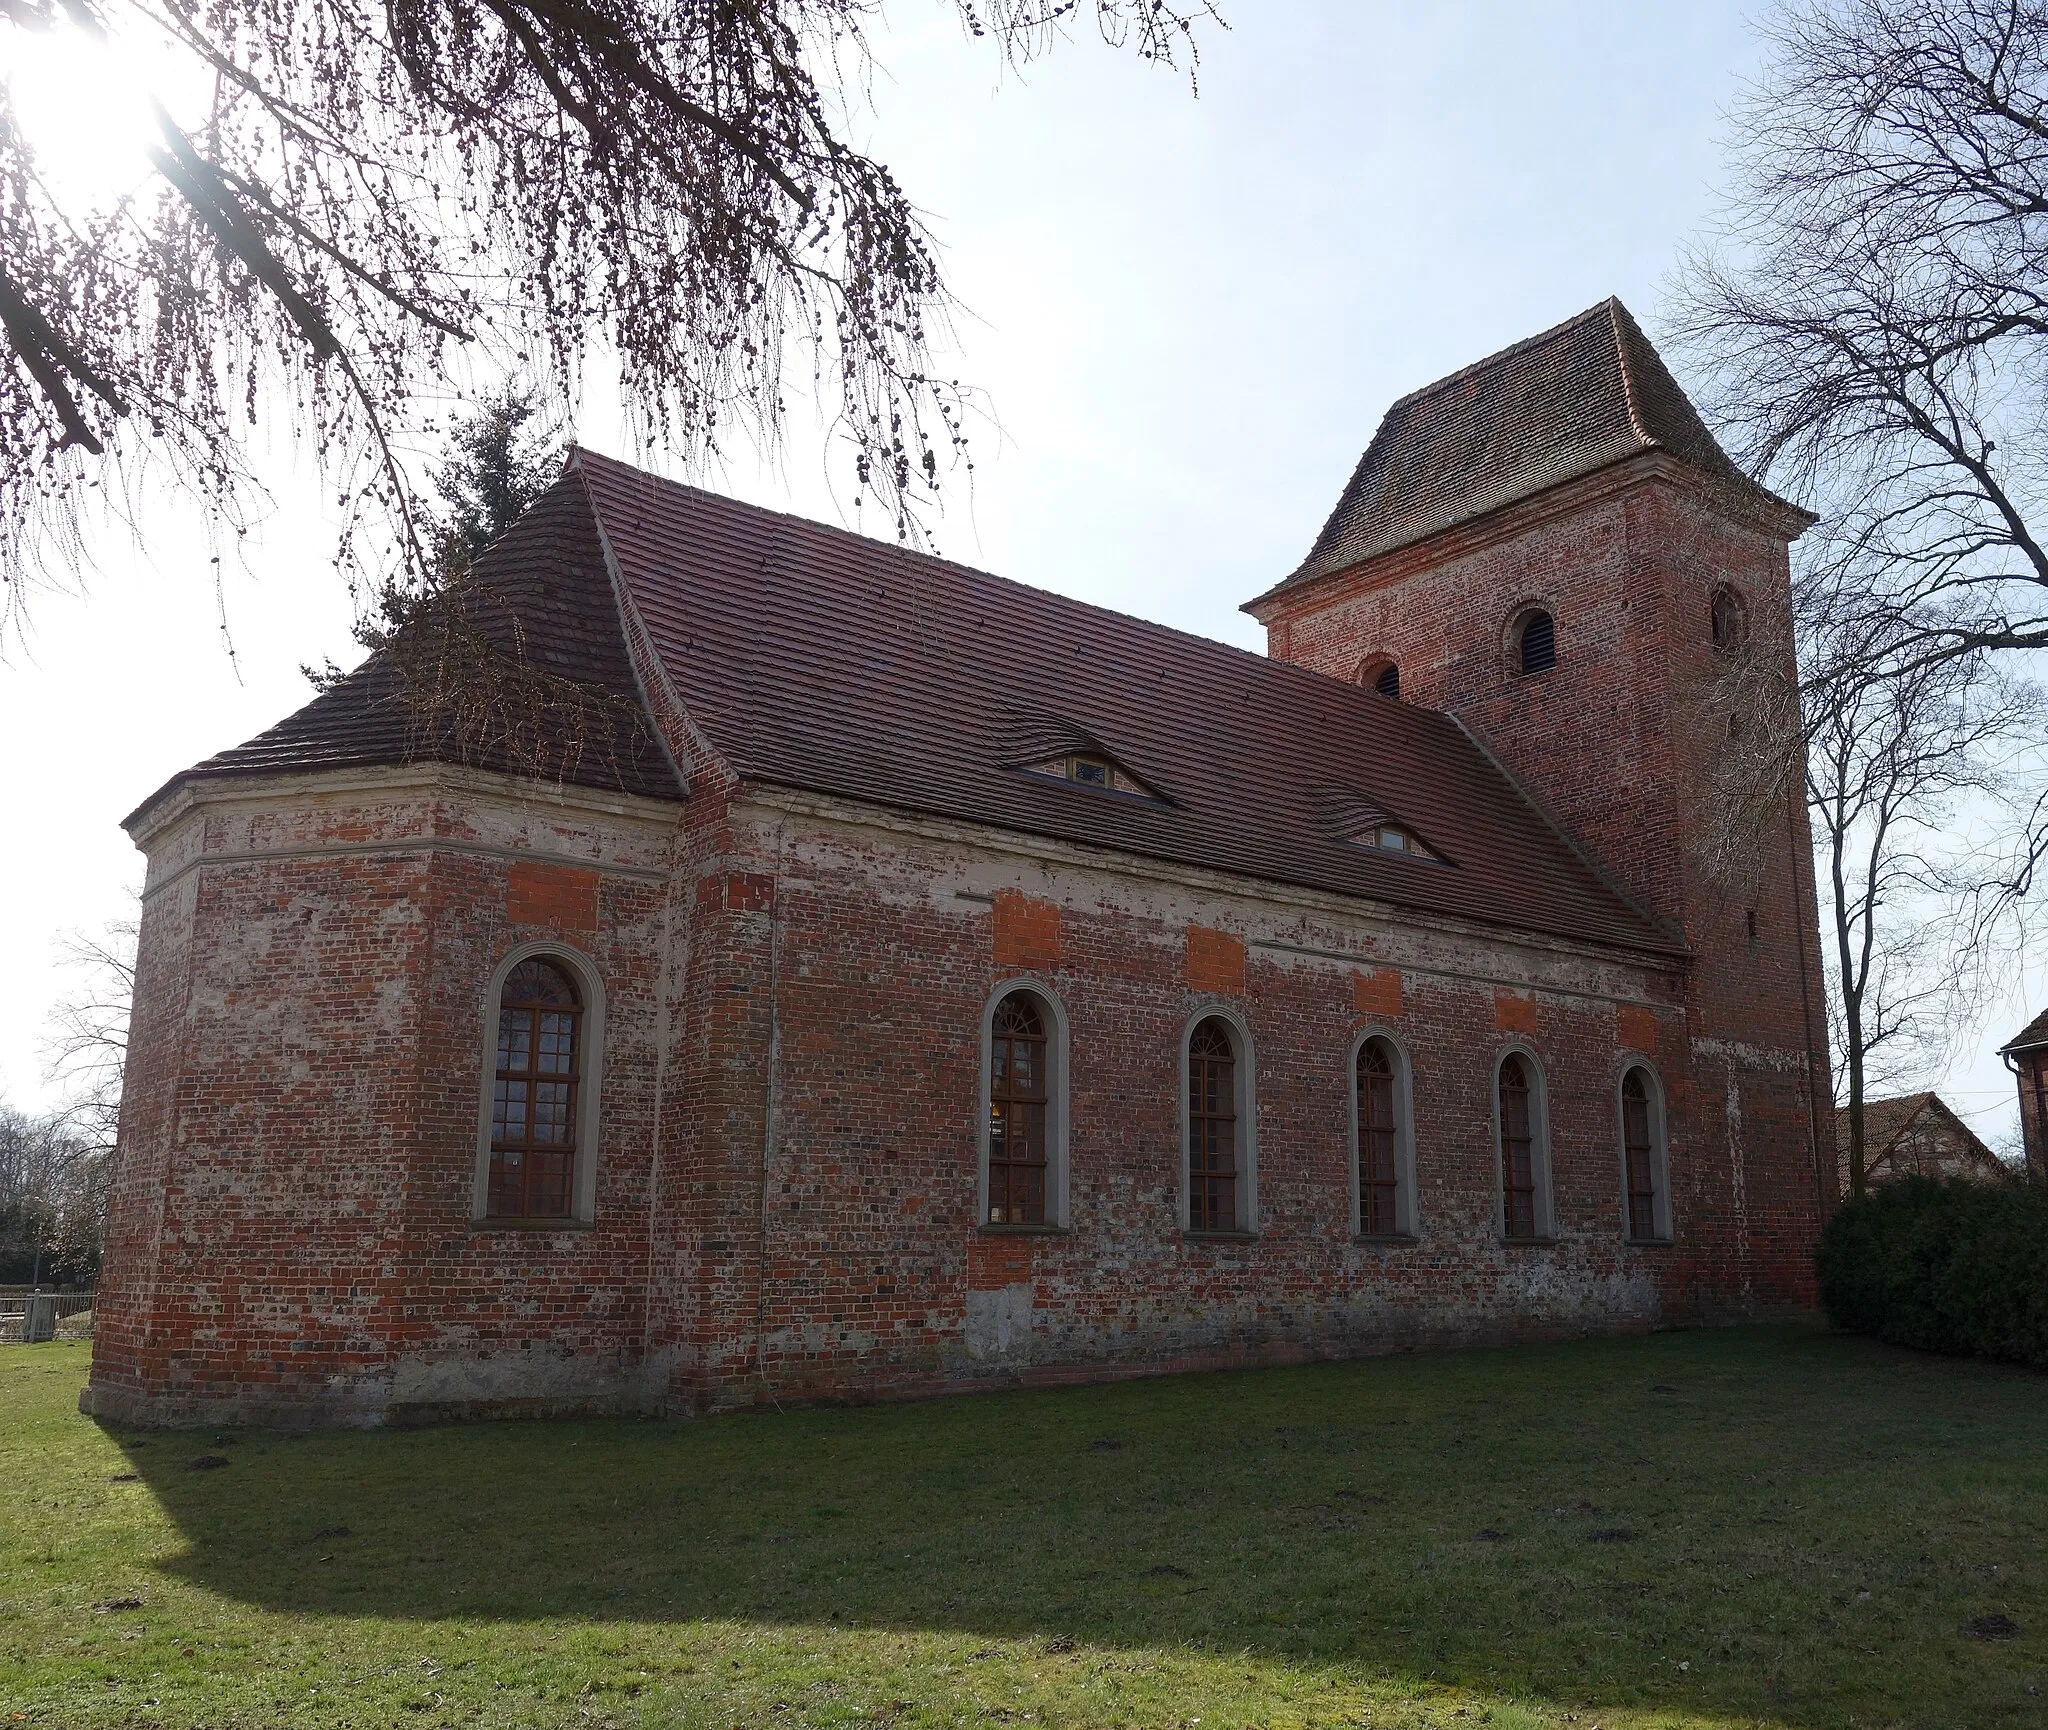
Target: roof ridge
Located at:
point(1625, 364)
point(1268, 665)
point(1501, 354)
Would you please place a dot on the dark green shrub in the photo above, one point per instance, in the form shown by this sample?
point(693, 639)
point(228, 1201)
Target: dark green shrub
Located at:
point(1946, 1266)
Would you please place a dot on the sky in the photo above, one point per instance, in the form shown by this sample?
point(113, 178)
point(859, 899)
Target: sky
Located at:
point(1185, 313)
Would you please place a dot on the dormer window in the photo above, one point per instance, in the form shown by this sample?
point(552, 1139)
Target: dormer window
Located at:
point(1394, 841)
point(1091, 769)
point(1392, 838)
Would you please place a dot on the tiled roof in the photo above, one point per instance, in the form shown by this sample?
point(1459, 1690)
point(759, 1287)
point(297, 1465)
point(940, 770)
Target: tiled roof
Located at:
point(2034, 1033)
point(816, 659)
point(1886, 1121)
point(545, 602)
point(1589, 393)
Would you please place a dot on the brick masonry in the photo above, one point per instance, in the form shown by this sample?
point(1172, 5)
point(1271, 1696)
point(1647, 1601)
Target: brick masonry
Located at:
point(788, 1163)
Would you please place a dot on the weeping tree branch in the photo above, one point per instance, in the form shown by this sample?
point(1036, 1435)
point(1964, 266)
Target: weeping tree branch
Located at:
point(365, 191)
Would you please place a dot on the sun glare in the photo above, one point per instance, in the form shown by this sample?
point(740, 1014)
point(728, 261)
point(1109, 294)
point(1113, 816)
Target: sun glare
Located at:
point(85, 105)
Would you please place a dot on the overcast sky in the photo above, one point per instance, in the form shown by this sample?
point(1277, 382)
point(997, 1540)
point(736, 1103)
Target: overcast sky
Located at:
point(1187, 313)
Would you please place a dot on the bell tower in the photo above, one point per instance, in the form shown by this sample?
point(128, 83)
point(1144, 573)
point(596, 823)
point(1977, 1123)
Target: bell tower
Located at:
point(1550, 545)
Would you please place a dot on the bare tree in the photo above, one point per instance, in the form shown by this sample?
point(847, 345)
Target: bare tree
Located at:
point(55, 1168)
point(87, 1047)
point(1875, 317)
point(368, 190)
point(1909, 781)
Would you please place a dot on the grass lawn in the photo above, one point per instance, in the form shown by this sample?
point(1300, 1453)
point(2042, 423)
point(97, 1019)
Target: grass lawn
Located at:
point(1765, 1526)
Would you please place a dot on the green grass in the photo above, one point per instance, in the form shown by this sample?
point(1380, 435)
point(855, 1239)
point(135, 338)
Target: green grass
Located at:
point(1752, 1527)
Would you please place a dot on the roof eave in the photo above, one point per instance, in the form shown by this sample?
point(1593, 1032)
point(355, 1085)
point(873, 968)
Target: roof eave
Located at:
point(1777, 516)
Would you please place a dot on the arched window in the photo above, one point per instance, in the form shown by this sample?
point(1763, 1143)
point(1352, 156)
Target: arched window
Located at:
point(1524, 1153)
point(1536, 642)
point(1646, 1188)
point(1213, 1138)
point(1379, 1142)
point(1018, 1089)
point(1728, 618)
point(1379, 673)
point(1024, 1108)
point(534, 1095)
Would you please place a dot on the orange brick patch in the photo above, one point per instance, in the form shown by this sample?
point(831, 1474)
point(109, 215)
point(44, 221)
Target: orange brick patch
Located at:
point(1376, 991)
point(1514, 1012)
point(559, 896)
point(1215, 961)
point(1636, 1027)
point(996, 1260)
point(1027, 932)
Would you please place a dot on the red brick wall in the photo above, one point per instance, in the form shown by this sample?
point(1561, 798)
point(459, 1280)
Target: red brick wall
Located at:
point(291, 1229)
point(1619, 742)
point(2033, 1085)
point(788, 1170)
point(874, 1276)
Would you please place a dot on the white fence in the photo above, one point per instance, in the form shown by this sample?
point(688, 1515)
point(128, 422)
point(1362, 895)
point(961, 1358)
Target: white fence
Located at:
point(31, 1313)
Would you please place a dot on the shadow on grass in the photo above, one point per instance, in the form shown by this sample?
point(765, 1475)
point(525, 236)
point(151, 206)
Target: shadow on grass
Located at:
point(1766, 1523)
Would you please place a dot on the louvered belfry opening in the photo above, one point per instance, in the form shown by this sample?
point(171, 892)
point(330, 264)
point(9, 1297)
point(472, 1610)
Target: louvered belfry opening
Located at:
point(1536, 643)
point(1378, 1176)
point(1388, 683)
point(1212, 1129)
point(1017, 1096)
point(1517, 1149)
point(1728, 620)
point(1638, 1155)
point(534, 1094)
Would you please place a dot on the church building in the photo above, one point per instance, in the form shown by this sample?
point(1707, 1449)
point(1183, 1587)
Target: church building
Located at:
point(720, 957)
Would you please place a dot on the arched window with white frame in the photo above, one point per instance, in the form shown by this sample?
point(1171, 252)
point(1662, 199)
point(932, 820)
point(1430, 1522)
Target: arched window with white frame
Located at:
point(1522, 1131)
point(1383, 1141)
point(537, 1134)
point(1645, 1157)
point(1219, 1167)
point(1024, 1108)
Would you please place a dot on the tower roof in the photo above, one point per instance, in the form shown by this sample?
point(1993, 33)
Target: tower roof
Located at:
point(1581, 396)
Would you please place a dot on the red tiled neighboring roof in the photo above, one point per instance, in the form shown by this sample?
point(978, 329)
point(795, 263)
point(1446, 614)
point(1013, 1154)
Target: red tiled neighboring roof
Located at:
point(545, 596)
point(2034, 1034)
point(1586, 394)
point(817, 659)
point(1887, 1121)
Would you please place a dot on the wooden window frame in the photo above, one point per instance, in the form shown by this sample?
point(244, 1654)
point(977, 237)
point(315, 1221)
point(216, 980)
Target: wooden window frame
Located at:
point(1244, 1103)
point(1545, 1208)
point(1056, 1046)
point(1407, 1226)
point(583, 973)
point(1660, 1152)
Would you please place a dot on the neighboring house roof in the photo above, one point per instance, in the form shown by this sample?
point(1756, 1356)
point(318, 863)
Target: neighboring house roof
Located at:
point(1887, 1123)
point(818, 659)
point(2030, 1037)
point(1580, 397)
point(812, 658)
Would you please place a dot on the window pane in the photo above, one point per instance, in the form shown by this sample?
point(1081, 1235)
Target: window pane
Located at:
point(534, 1095)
